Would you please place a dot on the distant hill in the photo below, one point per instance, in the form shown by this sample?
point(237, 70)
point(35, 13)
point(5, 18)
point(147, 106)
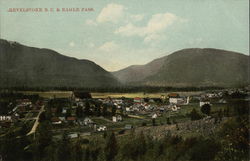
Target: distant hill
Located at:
point(136, 73)
point(190, 67)
point(33, 67)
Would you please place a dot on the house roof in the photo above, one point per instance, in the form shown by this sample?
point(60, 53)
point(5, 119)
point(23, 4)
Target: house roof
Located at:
point(71, 118)
point(53, 110)
point(173, 95)
point(55, 119)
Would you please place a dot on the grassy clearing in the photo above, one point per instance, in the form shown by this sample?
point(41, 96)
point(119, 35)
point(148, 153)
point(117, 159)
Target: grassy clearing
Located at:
point(139, 94)
point(50, 94)
point(68, 94)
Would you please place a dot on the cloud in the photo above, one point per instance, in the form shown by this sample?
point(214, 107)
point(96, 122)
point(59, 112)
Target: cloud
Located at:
point(153, 37)
point(111, 13)
point(131, 30)
point(137, 17)
point(160, 22)
point(108, 46)
point(72, 44)
point(90, 22)
point(157, 24)
point(114, 13)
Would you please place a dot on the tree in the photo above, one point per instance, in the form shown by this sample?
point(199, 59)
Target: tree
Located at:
point(58, 110)
point(43, 139)
point(194, 115)
point(42, 117)
point(77, 151)
point(206, 109)
point(104, 110)
point(141, 144)
point(79, 112)
point(98, 109)
point(168, 121)
point(87, 154)
point(87, 108)
point(111, 148)
point(113, 110)
point(24, 129)
point(8, 147)
point(64, 149)
point(68, 113)
point(220, 115)
point(153, 122)
point(177, 126)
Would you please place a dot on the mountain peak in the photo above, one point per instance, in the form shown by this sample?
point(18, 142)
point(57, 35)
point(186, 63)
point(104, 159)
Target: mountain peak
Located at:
point(40, 67)
point(191, 67)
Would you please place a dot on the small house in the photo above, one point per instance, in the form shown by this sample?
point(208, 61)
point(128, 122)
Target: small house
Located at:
point(62, 118)
point(71, 119)
point(73, 135)
point(87, 121)
point(56, 121)
point(204, 101)
point(137, 100)
point(117, 118)
point(64, 110)
point(128, 127)
point(174, 98)
point(5, 118)
point(154, 116)
point(102, 128)
point(127, 109)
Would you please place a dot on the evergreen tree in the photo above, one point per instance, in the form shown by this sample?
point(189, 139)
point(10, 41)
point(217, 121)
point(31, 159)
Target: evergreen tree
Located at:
point(168, 121)
point(77, 151)
point(194, 115)
point(113, 110)
point(142, 146)
point(111, 148)
point(87, 154)
point(79, 112)
point(87, 108)
point(64, 149)
point(104, 110)
point(153, 122)
point(220, 115)
point(43, 139)
point(206, 109)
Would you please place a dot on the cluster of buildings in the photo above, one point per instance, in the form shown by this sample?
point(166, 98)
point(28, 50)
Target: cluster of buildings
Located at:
point(21, 109)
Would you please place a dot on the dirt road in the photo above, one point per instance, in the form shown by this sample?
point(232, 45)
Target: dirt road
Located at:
point(33, 130)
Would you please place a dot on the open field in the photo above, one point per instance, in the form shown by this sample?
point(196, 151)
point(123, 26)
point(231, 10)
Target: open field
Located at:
point(140, 94)
point(50, 94)
point(67, 94)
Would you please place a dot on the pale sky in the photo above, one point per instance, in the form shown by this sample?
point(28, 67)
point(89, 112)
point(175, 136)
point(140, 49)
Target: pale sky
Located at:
point(120, 33)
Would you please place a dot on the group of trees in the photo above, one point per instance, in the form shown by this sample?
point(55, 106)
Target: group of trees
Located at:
point(119, 89)
point(91, 108)
point(230, 143)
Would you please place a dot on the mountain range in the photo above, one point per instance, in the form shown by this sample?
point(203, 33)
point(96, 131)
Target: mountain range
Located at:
point(34, 67)
point(192, 67)
point(24, 66)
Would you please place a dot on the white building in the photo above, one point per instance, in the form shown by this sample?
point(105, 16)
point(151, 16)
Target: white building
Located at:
point(204, 102)
point(73, 135)
point(176, 100)
point(5, 118)
point(117, 118)
point(154, 116)
point(102, 128)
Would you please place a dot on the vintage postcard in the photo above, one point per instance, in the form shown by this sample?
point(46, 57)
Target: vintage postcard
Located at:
point(134, 80)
